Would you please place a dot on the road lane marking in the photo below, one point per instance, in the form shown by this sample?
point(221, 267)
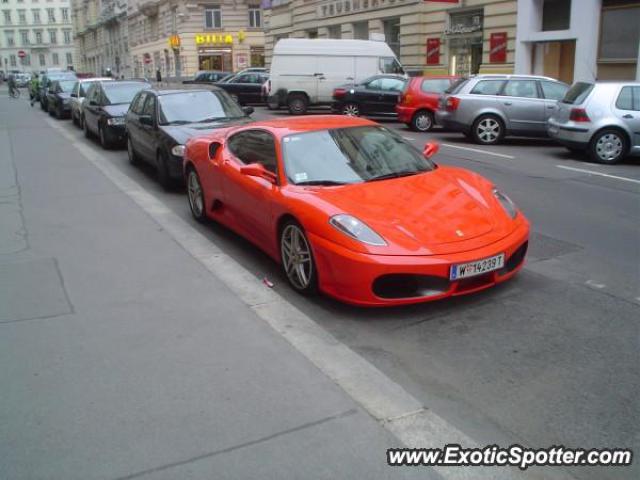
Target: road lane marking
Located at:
point(477, 150)
point(395, 409)
point(600, 174)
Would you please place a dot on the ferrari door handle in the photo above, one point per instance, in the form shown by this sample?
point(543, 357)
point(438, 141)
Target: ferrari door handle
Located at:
point(628, 115)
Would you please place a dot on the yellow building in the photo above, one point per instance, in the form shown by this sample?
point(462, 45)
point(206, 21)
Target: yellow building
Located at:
point(180, 38)
point(437, 37)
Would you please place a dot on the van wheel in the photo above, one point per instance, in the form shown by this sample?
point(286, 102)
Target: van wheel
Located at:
point(297, 104)
point(488, 130)
point(422, 121)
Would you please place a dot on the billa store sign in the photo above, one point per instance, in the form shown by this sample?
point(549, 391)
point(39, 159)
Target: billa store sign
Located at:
point(433, 51)
point(203, 39)
point(498, 47)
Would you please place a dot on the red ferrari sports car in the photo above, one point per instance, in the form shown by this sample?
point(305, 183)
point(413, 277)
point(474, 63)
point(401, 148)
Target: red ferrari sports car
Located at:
point(349, 207)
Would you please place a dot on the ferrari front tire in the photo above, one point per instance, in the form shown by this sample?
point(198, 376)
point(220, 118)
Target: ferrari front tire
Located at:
point(297, 259)
point(195, 196)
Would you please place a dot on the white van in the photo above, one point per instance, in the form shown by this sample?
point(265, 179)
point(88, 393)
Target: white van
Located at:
point(305, 71)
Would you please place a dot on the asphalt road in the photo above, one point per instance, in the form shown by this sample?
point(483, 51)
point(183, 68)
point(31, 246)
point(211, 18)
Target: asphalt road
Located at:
point(550, 358)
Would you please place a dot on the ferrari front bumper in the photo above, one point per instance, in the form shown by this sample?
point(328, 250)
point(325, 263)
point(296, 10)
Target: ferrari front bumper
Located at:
point(379, 280)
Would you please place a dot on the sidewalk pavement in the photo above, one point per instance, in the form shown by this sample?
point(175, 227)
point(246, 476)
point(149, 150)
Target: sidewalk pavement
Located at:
point(122, 357)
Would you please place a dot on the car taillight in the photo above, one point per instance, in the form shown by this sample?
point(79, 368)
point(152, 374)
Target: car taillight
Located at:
point(406, 98)
point(339, 92)
point(579, 115)
point(451, 103)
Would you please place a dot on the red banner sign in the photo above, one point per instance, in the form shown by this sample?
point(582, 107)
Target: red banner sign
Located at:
point(498, 47)
point(433, 51)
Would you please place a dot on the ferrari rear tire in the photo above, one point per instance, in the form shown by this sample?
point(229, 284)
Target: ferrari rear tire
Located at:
point(195, 195)
point(297, 259)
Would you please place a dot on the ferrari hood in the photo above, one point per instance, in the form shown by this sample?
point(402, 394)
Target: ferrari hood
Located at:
point(419, 213)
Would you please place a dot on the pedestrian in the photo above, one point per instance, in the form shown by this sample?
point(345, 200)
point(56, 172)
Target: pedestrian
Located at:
point(158, 76)
point(34, 88)
point(11, 82)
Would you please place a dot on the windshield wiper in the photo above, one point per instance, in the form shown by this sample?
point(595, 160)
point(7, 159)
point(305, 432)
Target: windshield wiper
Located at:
point(402, 173)
point(322, 182)
point(212, 119)
point(178, 122)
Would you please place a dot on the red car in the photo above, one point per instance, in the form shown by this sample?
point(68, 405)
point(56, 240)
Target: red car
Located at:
point(349, 207)
point(419, 101)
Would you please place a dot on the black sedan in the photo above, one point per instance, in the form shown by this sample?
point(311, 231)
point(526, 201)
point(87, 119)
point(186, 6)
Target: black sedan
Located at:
point(375, 96)
point(208, 77)
point(45, 83)
point(58, 98)
point(245, 87)
point(104, 108)
point(160, 122)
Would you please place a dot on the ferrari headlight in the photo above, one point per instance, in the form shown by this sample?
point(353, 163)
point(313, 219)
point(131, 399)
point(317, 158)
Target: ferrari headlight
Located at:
point(178, 150)
point(115, 121)
point(356, 229)
point(506, 203)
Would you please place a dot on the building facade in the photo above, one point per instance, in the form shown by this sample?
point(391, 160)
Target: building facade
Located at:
point(101, 37)
point(458, 37)
point(35, 35)
point(579, 39)
point(180, 38)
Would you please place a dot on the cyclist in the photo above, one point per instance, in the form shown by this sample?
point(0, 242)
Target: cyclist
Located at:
point(12, 85)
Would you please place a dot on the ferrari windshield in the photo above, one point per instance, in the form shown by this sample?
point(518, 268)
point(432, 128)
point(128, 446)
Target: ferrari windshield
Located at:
point(350, 155)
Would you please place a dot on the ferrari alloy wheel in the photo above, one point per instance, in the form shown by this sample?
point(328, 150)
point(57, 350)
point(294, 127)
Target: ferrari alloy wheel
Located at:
point(608, 146)
point(196, 196)
point(488, 130)
point(351, 110)
point(297, 259)
point(422, 121)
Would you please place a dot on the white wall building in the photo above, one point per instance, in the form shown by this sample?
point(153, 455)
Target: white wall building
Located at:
point(41, 29)
point(579, 39)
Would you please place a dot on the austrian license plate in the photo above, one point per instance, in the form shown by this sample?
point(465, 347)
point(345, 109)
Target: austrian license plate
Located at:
point(471, 269)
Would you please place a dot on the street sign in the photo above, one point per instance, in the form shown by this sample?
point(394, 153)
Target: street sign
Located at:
point(147, 59)
point(22, 53)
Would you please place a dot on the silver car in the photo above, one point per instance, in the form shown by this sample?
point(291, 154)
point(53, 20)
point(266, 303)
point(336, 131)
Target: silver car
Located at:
point(488, 107)
point(601, 118)
point(77, 97)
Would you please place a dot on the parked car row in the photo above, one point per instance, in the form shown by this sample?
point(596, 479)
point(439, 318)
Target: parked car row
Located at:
point(332, 198)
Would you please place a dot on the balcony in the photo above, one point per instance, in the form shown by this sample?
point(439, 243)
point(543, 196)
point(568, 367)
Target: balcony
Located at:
point(149, 8)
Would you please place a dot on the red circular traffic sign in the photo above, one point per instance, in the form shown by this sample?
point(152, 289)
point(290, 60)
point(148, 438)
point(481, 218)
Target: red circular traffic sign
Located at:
point(22, 53)
point(147, 58)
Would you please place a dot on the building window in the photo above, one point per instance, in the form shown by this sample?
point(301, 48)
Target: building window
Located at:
point(12, 60)
point(53, 37)
point(69, 59)
point(42, 60)
point(38, 37)
point(51, 15)
point(65, 14)
point(212, 18)
point(22, 17)
point(257, 56)
point(312, 33)
point(24, 37)
point(7, 17)
point(36, 15)
point(67, 37)
point(361, 31)
point(556, 15)
point(10, 40)
point(255, 16)
point(335, 31)
point(619, 34)
point(54, 58)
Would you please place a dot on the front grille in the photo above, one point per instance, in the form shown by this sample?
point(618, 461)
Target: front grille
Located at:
point(474, 283)
point(515, 260)
point(409, 286)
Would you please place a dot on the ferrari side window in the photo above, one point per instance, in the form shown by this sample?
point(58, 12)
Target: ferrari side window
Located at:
point(255, 146)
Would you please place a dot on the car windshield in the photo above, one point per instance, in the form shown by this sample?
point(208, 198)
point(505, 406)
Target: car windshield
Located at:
point(390, 65)
point(118, 93)
point(194, 107)
point(67, 85)
point(84, 86)
point(350, 155)
point(578, 93)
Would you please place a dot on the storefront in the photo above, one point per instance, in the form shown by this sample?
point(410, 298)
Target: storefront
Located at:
point(464, 41)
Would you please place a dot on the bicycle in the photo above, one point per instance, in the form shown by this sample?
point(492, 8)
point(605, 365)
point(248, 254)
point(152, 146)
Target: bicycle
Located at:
point(14, 93)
